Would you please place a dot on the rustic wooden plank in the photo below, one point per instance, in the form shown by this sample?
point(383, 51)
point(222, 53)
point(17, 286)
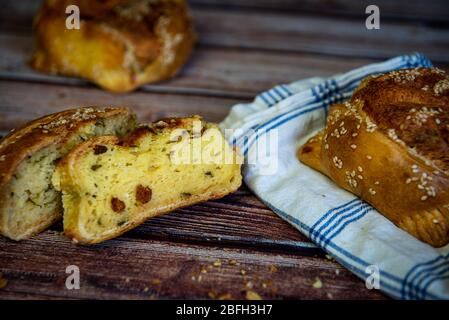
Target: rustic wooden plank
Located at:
point(433, 11)
point(211, 71)
point(237, 219)
point(416, 10)
point(296, 32)
point(17, 108)
point(317, 34)
point(141, 269)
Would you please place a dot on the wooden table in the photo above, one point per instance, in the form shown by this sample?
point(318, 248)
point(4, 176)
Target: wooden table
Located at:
point(224, 248)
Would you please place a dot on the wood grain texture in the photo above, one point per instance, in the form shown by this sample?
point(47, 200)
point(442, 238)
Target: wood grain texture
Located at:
point(210, 71)
point(239, 219)
point(390, 10)
point(149, 269)
point(199, 252)
point(295, 32)
point(323, 35)
point(16, 107)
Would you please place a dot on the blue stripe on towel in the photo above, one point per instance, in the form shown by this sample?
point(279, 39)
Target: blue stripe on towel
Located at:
point(411, 288)
point(393, 286)
point(348, 84)
point(334, 221)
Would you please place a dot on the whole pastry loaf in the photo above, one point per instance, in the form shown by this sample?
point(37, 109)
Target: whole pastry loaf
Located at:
point(389, 145)
point(110, 185)
point(28, 201)
point(120, 45)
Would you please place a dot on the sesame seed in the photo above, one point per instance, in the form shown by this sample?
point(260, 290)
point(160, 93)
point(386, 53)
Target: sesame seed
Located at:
point(337, 162)
point(360, 177)
point(376, 183)
point(353, 146)
point(440, 87)
point(360, 169)
point(423, 198)
point(372, 191)
point(369, 157)
point(408, 180)
point(2, 158)
point(435, 221)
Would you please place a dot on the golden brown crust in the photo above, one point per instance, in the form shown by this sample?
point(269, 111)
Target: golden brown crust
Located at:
point(377, 147)
point(17, 220)
point(45, 131)
point(68, 165)
point(77, 237)
point(121, 44)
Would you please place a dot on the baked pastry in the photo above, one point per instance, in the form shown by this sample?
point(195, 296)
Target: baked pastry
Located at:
point(120, 45)
point(28, 201)
point(389, 145)
point(110, 185)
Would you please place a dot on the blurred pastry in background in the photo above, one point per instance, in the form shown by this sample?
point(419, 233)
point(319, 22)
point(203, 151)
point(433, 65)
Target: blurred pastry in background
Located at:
point(120, 44)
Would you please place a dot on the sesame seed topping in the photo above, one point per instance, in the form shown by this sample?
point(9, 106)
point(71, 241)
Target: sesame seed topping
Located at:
point(441, 86)
point(350, 179)
point(2, 158)
point(369, 157)
point(370, 126)
point(79, 115)
point(404, 75)
point(372, 191)
point(353, 146)
point(423, 198)
point(360, 169)
point(337, 162)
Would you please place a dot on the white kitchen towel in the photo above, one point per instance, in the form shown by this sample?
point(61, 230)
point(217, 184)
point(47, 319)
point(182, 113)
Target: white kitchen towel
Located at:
point(349, 229)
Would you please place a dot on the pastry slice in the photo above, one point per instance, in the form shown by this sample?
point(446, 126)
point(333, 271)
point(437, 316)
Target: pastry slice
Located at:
point(28, 201)
point(111, 185)
point(389, 145)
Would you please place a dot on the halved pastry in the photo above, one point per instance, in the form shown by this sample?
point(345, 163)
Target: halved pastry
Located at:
point(110, 185)
point(28, 201)
point(389, 145)
point(120, 44)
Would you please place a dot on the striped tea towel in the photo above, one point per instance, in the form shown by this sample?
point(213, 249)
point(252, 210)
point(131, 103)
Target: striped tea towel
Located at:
point(271, 128)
